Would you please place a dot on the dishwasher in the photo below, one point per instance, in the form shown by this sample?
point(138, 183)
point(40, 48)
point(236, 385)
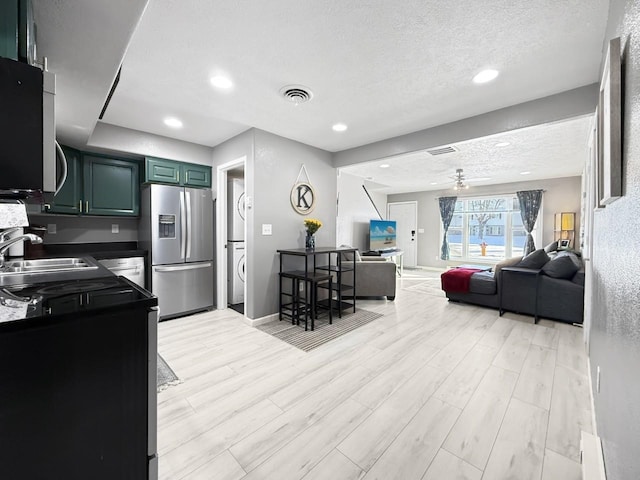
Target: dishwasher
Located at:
point(132, 268)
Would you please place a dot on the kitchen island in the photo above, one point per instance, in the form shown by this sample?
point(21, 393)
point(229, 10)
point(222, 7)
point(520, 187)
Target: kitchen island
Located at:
point(78, 369)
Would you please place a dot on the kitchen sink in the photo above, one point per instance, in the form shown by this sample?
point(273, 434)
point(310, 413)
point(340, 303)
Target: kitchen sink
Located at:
point(46, 265)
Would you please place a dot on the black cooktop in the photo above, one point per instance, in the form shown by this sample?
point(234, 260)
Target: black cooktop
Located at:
point(79, 297)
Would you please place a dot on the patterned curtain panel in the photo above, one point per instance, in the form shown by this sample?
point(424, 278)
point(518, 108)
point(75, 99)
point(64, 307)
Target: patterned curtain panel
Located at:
point(447, 206)
point(530, 201)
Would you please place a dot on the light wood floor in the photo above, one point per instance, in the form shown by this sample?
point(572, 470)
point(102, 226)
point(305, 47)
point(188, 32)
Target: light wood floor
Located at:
point(433, 391)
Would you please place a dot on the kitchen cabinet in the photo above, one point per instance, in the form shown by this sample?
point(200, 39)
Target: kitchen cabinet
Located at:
point(98, 185)
point(171, 172)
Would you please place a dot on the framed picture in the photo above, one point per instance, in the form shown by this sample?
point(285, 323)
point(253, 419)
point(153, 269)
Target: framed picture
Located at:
point(564, 243)
point(610, 128)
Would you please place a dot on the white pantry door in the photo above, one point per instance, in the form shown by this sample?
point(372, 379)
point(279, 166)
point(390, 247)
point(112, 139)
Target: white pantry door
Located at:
point(406, 216)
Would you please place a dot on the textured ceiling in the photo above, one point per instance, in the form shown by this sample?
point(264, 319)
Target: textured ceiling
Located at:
point(546, 151)
point(384, 68)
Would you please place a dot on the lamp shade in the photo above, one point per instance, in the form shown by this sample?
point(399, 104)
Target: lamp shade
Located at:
point(565, 221)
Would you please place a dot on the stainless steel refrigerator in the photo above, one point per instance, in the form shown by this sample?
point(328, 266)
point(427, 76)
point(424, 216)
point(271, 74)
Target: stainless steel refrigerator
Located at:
point(176, 227)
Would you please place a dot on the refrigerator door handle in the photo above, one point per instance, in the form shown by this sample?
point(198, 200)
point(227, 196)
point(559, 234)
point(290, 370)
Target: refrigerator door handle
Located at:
point(189, 223)
point(183, 267)
point(183, 227)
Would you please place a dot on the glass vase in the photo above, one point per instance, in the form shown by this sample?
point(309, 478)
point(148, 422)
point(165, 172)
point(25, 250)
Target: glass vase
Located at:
point(310, 242)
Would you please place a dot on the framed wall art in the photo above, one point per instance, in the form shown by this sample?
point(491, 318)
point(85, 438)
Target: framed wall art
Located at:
point(610, 128)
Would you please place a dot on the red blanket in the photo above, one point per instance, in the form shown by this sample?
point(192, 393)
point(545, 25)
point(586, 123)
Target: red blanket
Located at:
point(457, 279)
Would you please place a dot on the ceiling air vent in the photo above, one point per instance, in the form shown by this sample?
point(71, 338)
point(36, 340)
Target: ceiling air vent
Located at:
point(442, 150)
point(296, 94)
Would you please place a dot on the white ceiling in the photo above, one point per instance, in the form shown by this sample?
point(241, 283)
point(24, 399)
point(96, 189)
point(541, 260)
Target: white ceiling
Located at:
point(384, 68)
point(545, 151)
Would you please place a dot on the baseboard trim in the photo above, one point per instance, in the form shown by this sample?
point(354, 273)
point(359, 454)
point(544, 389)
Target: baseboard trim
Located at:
point(254, 322)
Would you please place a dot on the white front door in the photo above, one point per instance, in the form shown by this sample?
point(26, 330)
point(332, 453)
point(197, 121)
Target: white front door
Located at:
point(406, 216)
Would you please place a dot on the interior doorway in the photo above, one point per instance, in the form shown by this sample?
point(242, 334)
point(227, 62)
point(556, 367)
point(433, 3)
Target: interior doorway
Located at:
point(406, 216)
point(231, 237)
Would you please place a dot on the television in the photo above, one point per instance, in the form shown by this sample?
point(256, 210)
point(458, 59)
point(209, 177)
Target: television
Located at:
point(382, 235)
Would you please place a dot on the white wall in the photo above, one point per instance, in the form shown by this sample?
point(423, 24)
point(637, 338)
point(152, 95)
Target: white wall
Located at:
point(561, 195)
point(355, 210)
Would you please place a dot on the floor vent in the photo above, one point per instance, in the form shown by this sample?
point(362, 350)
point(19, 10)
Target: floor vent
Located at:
point(442, 151)
point(591, 457)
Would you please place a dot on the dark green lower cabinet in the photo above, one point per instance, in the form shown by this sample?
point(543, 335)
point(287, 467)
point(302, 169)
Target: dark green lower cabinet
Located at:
point(111, 187)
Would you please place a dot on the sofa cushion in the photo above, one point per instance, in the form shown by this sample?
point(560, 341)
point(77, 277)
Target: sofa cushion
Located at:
point(483, 283)
point(535, 259)
point(563, 267)
point(552, 247)
point(509, 262)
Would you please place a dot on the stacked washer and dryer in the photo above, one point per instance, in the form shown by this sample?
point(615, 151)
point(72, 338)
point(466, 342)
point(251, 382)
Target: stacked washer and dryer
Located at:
point(235, 244)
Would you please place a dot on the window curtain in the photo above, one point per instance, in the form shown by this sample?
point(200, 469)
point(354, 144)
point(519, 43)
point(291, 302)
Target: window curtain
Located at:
point(530, 201)
point(447, 206)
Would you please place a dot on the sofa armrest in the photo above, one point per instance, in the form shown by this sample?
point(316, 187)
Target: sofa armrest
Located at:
point(517, 288)
point(375, 279)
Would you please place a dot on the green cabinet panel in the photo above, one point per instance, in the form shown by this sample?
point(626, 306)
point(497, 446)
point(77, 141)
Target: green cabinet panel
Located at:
point(111, 187)
point(69, 198)
point(159, 170)
point(9, 29)
point(195, 175)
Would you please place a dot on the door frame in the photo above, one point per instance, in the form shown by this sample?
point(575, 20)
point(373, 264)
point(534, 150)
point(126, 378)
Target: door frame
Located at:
point(221, 234)
point(415, 204)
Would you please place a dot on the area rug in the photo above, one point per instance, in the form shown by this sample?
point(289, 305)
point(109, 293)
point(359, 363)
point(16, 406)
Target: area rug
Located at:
point(166, 376)
point(323, 333)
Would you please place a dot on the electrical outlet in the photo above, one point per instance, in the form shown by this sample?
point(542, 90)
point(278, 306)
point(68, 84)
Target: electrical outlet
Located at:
point(52, 228)
point(598, 379)
point(115, 228)
point(267, 229)
point(421, 230)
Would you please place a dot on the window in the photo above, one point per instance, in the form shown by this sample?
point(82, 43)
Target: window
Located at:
point(488, 229)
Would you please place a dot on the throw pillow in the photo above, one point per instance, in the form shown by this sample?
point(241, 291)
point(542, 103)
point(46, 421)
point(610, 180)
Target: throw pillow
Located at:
point(535, 259)
point(561, 267)
point(552, 247)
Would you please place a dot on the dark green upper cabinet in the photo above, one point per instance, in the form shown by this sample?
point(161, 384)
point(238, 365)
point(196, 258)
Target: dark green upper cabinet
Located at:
point(69, 198)
point(111, 187)
point(159, 170)
point(195, 175)
point(9, 29)
point(170, 172)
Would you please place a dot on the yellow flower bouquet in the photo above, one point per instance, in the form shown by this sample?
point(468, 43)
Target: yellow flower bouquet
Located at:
point(312, 225)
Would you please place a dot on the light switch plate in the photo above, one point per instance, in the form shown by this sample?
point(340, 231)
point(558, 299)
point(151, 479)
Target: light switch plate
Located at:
point(266, 229)
point(115, 228)
point(52, 228)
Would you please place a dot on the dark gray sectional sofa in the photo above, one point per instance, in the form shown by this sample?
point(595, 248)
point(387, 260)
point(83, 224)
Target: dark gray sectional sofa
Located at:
point(547, 284)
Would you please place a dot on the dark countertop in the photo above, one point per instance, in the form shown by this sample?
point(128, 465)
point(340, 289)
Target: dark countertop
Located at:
point(98, 251)
point(27, 306)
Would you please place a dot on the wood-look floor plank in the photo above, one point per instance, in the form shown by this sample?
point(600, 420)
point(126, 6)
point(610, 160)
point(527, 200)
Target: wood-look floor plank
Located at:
point(518, 451)
point(514, 350)
point(408, 457)
point(222, 467)
point(570, 412)
point(497, 333)
point(460, 385)
point(261, 444)
point(335, 466)
point(195, 452)
point(301, 455)
point(546, 337)
point(557, 466)
point(475, 431)
point(536, 379)
point(367, 442)
point(449, 467)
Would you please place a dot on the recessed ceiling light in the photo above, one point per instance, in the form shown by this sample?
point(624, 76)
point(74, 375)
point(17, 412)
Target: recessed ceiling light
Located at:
point(433, 183)
point(502, 144)
point(385, 165)
point(339, 127)
point(220, 81)
point(173, 122)
point(525, 173)
point(485, 76)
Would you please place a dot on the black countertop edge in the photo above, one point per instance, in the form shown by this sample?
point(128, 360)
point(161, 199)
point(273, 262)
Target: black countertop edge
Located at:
point(96, 250)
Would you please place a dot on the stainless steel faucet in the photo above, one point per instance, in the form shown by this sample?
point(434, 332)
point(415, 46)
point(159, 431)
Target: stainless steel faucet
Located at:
point(5, 233)
point(4, 246)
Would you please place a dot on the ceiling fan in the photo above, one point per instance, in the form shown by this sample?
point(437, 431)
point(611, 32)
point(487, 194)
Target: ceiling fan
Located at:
point(459, 180)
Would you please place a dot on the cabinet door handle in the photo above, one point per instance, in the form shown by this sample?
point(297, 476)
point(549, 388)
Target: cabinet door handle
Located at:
point(86, 206)
point(80, 206)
